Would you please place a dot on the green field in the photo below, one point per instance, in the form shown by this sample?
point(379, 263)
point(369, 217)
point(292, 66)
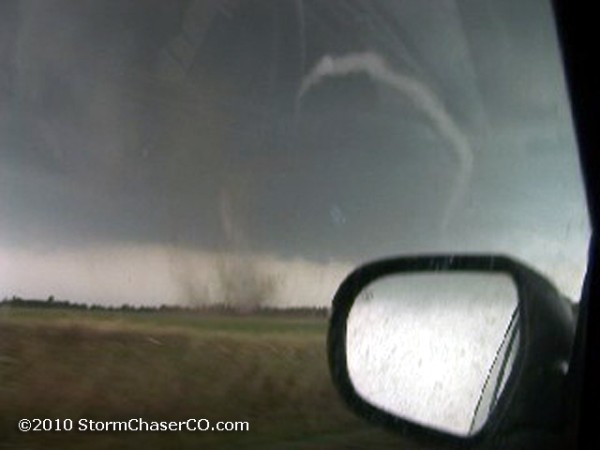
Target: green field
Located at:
point(110, 365)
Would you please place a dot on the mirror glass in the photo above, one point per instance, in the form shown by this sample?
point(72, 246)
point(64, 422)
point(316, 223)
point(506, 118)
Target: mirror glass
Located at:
point(434, 348)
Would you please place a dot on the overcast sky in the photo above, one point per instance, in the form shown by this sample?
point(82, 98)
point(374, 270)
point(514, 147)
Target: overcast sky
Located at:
point(156, 139)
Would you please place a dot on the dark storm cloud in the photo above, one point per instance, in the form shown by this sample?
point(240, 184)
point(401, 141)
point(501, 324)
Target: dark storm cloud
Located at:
point(179, 122)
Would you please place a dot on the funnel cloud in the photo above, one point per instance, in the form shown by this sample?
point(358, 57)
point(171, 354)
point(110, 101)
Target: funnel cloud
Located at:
point(255, 151)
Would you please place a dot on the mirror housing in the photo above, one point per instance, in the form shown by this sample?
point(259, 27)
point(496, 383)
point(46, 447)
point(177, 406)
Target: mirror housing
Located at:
point(532, 396)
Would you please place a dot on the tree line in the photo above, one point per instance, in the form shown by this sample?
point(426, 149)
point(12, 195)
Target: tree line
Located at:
point(217, 308)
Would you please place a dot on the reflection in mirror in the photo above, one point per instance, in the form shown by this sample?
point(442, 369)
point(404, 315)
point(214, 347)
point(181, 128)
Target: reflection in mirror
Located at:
point(434, 349)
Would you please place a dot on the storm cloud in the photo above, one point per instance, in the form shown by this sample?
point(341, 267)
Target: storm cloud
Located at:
point(175, 128)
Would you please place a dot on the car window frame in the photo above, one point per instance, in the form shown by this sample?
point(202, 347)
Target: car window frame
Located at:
point(574, 26)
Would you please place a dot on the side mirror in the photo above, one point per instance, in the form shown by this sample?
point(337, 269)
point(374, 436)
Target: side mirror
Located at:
point(453, 349)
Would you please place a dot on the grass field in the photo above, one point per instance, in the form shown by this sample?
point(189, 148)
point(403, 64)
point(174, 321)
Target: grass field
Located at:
point(109, 365)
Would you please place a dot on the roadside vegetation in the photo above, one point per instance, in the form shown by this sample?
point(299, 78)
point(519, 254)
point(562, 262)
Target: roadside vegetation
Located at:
point(268, 368)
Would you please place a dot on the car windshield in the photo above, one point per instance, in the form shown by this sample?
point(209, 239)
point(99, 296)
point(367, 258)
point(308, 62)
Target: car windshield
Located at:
point(184, 184)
